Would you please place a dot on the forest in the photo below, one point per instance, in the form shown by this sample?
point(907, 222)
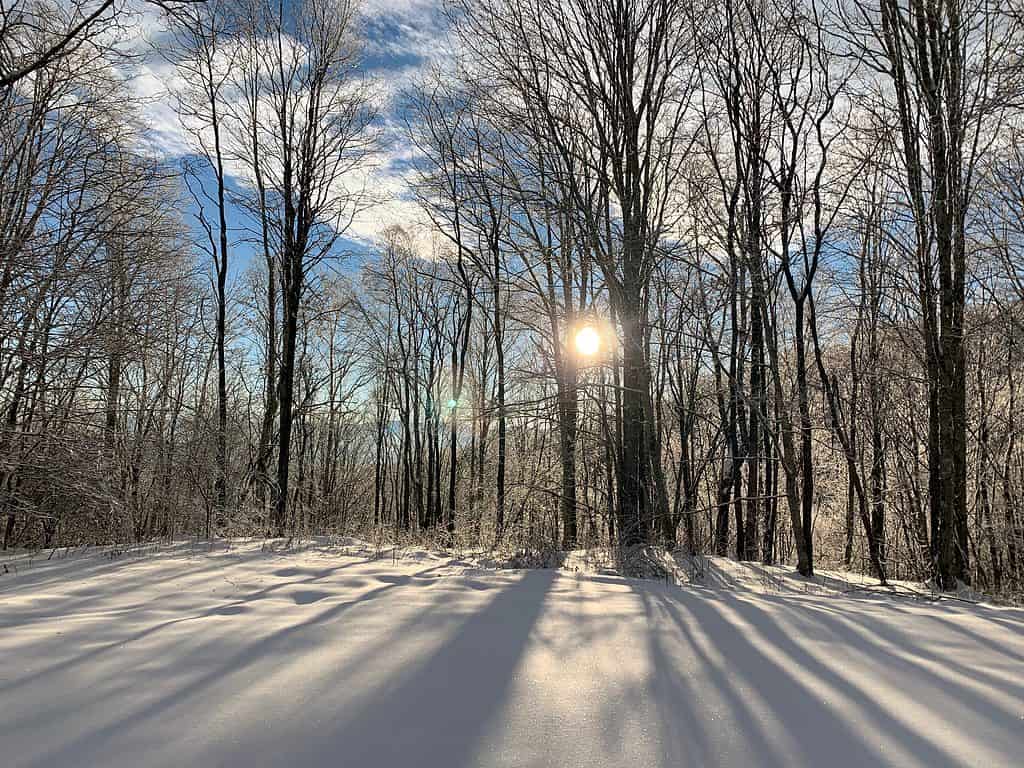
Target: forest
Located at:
point(736, 277)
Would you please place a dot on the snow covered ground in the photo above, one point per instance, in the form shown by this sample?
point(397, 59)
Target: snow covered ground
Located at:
point(328, 657)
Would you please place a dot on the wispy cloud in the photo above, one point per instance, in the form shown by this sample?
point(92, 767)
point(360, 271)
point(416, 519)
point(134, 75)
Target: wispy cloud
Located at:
point(402, 38)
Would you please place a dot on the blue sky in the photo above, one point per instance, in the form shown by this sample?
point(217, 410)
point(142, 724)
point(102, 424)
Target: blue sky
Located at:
point(401, 38)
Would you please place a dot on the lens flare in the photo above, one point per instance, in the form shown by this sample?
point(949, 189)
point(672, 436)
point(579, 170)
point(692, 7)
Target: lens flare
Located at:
point(588, 341)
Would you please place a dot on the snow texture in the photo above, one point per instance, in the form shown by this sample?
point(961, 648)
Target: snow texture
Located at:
point(330, 656)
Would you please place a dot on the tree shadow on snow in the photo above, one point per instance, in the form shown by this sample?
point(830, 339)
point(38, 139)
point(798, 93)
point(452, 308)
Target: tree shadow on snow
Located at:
point(90, 747)
point(439, 713)
point(794, 702)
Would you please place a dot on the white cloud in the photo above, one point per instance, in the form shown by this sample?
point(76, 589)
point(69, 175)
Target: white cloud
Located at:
point(402, 38)
point(151, 84)
point(404, 29)
point(386, 180)
point(400, 8)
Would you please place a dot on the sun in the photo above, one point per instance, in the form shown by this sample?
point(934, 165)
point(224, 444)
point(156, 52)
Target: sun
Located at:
point(588, 341)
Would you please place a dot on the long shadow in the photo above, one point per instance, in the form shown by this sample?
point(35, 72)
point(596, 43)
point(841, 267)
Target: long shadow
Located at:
point(683, 739)
point(76, 600)
point(224, 609)
point(753, 739)
point(246, 657)
point(838, 623)
point(97, 565)
point(439, 713)
point(823, 736)
point(900, 651)
point(1011, 624)
point(72, 608)
point(98, 562)
point(946, 616)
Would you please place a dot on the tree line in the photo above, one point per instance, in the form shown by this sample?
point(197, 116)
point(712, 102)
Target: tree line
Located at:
point(792, 226)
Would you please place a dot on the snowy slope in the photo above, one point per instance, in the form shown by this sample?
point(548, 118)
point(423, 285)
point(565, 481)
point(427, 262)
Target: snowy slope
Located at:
point(324, 657)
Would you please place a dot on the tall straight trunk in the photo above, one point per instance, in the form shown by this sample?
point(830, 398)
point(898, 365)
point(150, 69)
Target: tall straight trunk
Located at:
point(222, 276)
point(657, 489)
point(298, 510)
point(851, 501)
point(771, 476)
point(689, 483)
point(405, 514)
point(949, 199)
point(742, 441)
point(1009, 514)
point(378, 465)
point(611, 464)
point(798, 500)
point(481, 458)
point(459, 373)
point(632, 523)
point(952, 410)
point(878, 495)
point(953, 552)
point(262, 479)
point(417, 447)
point(567, 393)
point(723, 498)
point(568, 412)
point(270, 398)
point(286, 387)
point(453, 441)
point(617, 444)
point(753, 440)
point(499, 346)
point(926, 46)
point(982, 484)
point(430, 515)
point(723, 502)
point(852, 430)
point(728, 414)
point(115, 359)
point(474, 492)
point(877, 448)
point(935, 517)
point(1012, 529)
point(417, 442)
point(689, 513)
point(805, 533)
point(113, 398)
point(610, 491)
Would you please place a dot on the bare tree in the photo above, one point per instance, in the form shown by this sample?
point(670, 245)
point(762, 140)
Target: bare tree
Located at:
point(315, 134)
